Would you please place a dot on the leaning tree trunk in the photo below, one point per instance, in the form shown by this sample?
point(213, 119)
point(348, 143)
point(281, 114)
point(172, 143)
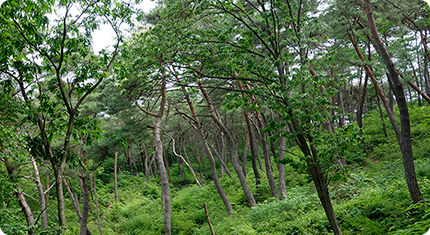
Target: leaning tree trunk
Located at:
point(254, 149)
point(198, 128)
point(405, 139)
point(317, 177)
point(232, 145)
point(41, 195)
point(267, 160)
point(21, 199)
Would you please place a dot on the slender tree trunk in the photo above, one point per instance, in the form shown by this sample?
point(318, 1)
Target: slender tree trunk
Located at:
point(405, 139)
point(381, 115)
point(27, 211)
point(115, 175)
point(426, 75)
point(74, 199)
point(318, 178)
point(85, 195)
point(378, 89)
point(267, 160)
point(208, 219)
point(115, 167)
point(20, 196)
point(342, 108)
point(58, 172)
point(41, 195)
point(245, 152)
point(281, 167)
point(223, 152)
point(254, 149)
point(232, 146)
point(97, 204)
point(165, 191)
point(220, 160)
point(361, 100)
point(166, 164)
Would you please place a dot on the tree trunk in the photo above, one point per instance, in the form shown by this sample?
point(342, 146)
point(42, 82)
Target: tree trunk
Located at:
point(97, 204)
point(381, 115)
point(342, 109)
point(85, 195)
point(318, 178)
point(361, 100)
point(281, 167)
point(27, 211)
point(405, 140)
point(254, 149)
point(245, 152)
point(377, 88)
point(232, 147)
point(74, 200)
point(58, 172)
point(159, 154)
point(41, 195)
point(115, 176)
point(267, 160)
point(20, 195)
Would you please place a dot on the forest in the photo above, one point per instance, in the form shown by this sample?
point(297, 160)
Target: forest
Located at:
point(215, 117)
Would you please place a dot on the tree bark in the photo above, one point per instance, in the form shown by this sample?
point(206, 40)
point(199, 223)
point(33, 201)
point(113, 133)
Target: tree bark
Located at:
point(159, 154)
point(405, 140)
point(378, 89)
point(20, 196)
point(27, 211)
point(198, 128)
point(115, 175)
point(361, 100)
point(41, 195)
point(97, 204)
point(245, 152)
point(254, 149)
point(266, 156)
point(74, 200)
point(281, 167)
point(232, 147)
point(85, 195)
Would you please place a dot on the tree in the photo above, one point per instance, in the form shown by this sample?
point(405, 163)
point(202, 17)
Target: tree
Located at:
point(69, 69)
point(404, 139)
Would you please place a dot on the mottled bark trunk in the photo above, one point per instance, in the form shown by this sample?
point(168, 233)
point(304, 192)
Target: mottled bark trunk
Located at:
point(58, 172)
point(74, 199)
point(27, 211)
point(20, 196)
point(41, 195)
point(159, 154)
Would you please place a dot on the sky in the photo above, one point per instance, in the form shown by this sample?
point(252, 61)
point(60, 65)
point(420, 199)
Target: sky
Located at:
point(105, 35)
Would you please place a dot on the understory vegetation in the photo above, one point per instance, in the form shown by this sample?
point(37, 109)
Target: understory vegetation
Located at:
point(370, 198)
point(214, 117)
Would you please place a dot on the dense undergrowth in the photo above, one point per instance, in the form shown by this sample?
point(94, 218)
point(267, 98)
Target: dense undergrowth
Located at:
point(370, 198)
